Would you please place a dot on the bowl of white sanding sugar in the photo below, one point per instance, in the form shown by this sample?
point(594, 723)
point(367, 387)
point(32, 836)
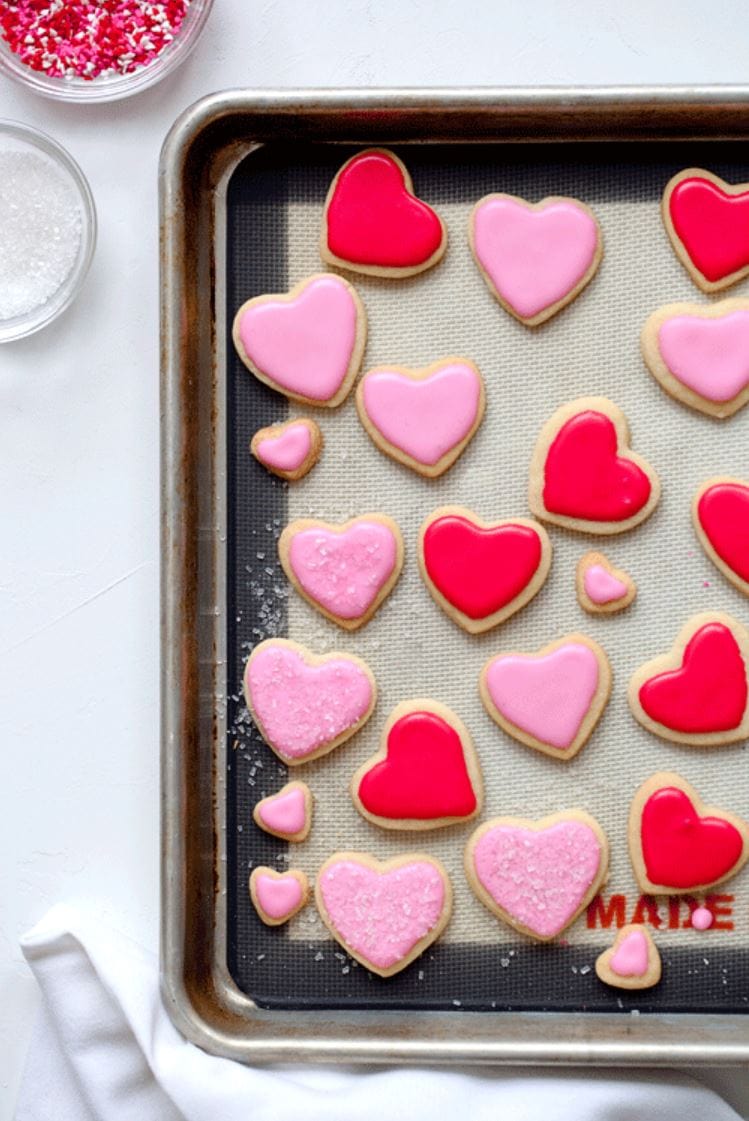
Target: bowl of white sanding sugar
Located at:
point(47, 230)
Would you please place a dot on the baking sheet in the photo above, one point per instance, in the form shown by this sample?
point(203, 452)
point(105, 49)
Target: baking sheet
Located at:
point(273, 209)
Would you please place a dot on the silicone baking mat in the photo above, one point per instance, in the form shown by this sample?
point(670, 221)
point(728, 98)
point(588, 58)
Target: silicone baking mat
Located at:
point(274, 207)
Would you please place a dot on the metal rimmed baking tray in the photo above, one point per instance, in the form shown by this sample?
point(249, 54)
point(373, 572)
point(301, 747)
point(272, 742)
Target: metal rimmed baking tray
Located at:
point(232, 165)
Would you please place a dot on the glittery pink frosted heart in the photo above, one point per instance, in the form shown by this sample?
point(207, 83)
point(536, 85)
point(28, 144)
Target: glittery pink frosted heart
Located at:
point(344, 571)
point(424, 417)
point(302, 707)
point(630, 958)
point(546, 696)
point(534, 257)
point(538, 877)
point(601, 586)
point(304, 344)
point(381, 916)
point(278, 896)
point(708, 355)
point(288, 450)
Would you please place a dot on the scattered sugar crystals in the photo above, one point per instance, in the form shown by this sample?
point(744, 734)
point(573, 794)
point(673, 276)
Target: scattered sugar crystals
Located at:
point(40, 231)
point(89, 38)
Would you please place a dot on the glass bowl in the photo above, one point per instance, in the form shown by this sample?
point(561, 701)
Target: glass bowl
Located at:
point(16, 137)
point(121, 85)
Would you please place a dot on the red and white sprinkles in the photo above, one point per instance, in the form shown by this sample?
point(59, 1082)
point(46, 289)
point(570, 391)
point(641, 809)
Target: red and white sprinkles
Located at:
point(91, 38)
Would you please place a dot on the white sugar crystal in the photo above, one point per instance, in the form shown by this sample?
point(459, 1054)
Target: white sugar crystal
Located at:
point(40, 231)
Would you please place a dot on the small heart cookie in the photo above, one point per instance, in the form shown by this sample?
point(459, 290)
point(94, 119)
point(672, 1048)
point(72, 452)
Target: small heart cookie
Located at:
point(345, 571)
point(707, 221)
point(287, 814)
point(278, 896)
point(426, 773)
point(700, 354)
point(480, 573)
point(601, 588)
point(424, 418)
point(535, 257)
point(288, 450)
point(552, 700)
point(677, 844)
point(697, 694)
point(538, 876)
point(305, 705)
point(374, 224)
point(584, 475)
point(307, 344)
point(633, 962)
point(720, 513)
point(384, 913)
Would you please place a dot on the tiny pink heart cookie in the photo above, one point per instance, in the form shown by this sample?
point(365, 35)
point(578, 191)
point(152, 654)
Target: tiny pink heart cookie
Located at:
point(424, 418)
point(535, 258)
point(287, 814)
point(700, 354)
point(538, 876)
point(633, 962)
point(278, 896)
point(384, 913)
point(601, 588)
point(551, 700)
point(345, 571)
point(304, 705)
point(288, 450)
point(307, 344)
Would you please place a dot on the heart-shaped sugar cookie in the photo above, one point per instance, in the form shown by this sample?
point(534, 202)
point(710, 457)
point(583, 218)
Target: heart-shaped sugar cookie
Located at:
point(287, 814)
point(303, 705)
point(602, 589)
point(422, 418)
point(633, 962)
point(426, 773)
point(535, 258)
point(278, 896)
point(384, 913)
point(720, 513)
point(538, 876)
point(307, 344)
point(289, 450)
point(707, 221)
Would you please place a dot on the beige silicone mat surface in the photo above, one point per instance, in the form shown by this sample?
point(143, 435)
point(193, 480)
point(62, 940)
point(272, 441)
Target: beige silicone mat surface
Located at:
point(414, 650)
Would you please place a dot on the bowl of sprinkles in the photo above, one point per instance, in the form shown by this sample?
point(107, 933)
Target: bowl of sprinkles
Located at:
point(96, 50)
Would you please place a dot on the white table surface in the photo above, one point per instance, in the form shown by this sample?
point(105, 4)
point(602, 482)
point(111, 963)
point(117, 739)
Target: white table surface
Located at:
point(79, 559)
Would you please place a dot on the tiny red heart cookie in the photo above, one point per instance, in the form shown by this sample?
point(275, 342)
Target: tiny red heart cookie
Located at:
point(373, 222)
point(426, 773)
point(678, 844)
point(583, 474)
point(697, 694)
point(720, 513)
point(481, 572)
point(707, 221)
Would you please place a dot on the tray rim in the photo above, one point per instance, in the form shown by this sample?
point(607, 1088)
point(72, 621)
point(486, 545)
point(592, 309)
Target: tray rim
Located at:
point(200, 997)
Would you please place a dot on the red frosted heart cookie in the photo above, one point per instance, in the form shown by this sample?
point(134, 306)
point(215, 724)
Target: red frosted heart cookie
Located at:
point(677, 844)
point(707, 221)
point(374, 224)
point(697, 693)
point(426, 773)
point(720, 513)
point(480, 572)
point(584, 476)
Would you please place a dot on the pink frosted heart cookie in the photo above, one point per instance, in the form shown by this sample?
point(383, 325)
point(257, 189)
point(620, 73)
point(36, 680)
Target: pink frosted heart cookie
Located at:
point(278, 896)
point(308, 344)
point(535, 258)
point(287, 814)
point(345, 571)
point(700, 354)
point(601, 588)
point(288, 450)
point(551, 700)
point(424, 418)
point(384, 913)
point(633, 962)
point(303, 705)
point(538, 876)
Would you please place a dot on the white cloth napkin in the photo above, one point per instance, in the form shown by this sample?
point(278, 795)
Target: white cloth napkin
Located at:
point(105, 1050)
